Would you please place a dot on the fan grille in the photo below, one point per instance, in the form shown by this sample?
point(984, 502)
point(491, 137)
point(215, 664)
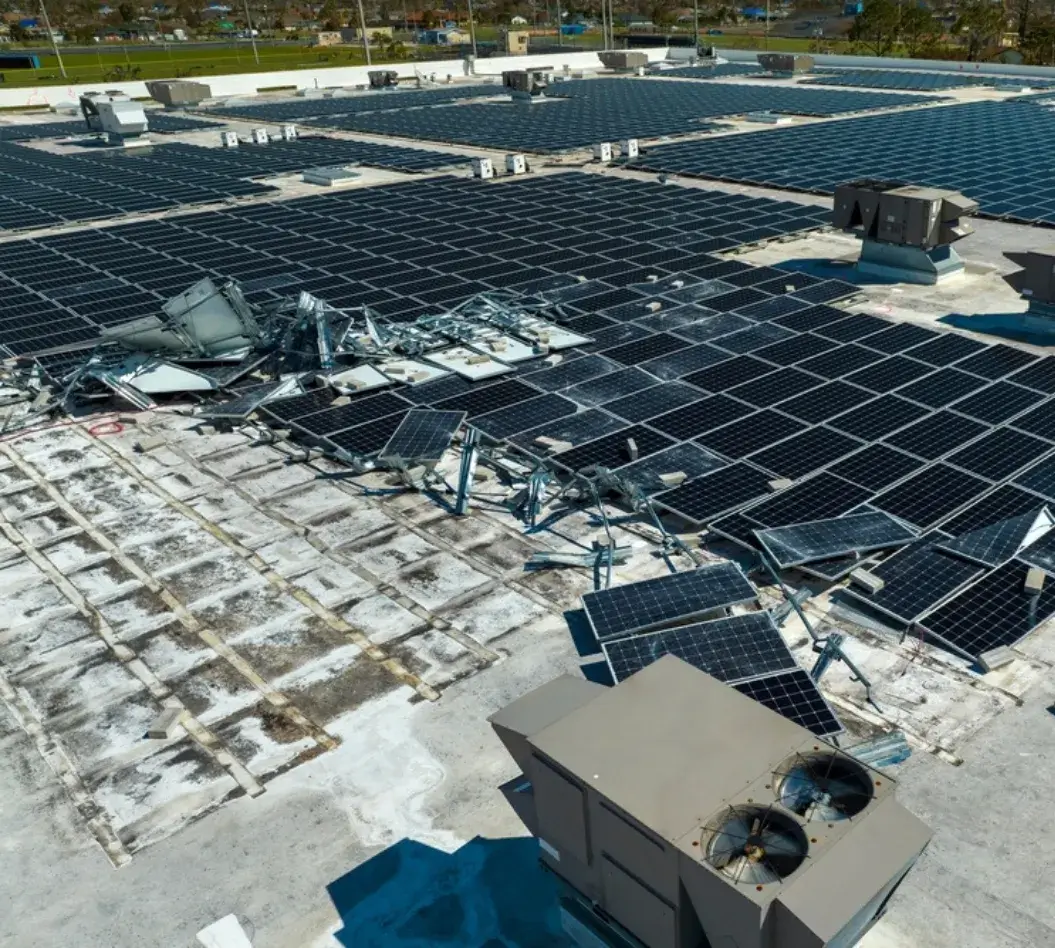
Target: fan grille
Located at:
point(754, 844)
point(823, 787)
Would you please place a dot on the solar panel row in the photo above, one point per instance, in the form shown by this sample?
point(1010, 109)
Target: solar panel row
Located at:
point(976, 148)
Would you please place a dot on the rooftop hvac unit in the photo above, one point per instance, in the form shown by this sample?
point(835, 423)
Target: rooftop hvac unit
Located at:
point(526, 85)
point(623, 60)
point(174, 93)
point(114, 115)
point(383, 78)
point(1035, 281)
point(907, 231)
point(673, 809)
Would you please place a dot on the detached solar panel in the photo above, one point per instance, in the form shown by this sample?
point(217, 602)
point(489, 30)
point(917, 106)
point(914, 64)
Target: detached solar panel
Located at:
point(729, 649)
point(916, 580)
point(826, 539)
point(666, 600)
point(423, 435)
point(997, 610)
point(795, 696)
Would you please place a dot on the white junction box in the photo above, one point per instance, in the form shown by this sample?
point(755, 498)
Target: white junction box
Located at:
point(602, 151)
point(289, 133)
point(483, 168)
point(229, 139)
point(515, 164)
point(260, 136)
point(629, 148)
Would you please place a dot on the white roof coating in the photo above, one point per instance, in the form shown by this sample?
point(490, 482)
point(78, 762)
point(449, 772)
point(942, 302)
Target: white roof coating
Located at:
point(335, 644)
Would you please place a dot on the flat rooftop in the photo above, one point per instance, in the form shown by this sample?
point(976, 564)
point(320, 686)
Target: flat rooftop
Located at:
point(337, 641)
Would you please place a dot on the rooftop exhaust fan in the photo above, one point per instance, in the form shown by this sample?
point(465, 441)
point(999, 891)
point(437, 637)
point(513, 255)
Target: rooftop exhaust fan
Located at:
point(823, 787)
point(754, 844)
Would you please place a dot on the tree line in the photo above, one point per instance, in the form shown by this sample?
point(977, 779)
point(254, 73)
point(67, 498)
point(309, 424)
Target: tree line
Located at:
point(890, 27)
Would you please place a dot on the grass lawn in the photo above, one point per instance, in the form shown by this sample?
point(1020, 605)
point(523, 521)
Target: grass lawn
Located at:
point(136, 62)
point(155, 62)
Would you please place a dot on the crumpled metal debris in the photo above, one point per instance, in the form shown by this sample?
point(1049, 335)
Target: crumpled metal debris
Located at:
point(213, 344)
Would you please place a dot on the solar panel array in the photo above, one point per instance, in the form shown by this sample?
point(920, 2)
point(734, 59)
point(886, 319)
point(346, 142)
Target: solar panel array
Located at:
point(282, 157)
point(1001, 154)
point(40, 189)
point(581, 112)
point(832, 400)
point(402, 249)
point(909, 80)
point(829, 404)
point(162, 122)
point(716, 71)
point(337, 106)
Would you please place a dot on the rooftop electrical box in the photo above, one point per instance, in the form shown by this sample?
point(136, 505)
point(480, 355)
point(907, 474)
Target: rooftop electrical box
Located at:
point(685, 814)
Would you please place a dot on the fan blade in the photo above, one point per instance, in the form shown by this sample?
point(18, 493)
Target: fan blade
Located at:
point(763, 872)
point(736, 829)
point(845, 789)
point(776, 843)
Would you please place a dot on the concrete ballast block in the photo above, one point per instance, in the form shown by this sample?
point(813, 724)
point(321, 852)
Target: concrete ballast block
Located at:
point(996, 658)
point(165, 724)
point(867, 581)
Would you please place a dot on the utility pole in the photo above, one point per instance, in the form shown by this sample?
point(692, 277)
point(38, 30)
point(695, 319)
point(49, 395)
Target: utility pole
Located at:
point(604, 25)
point(472, 28)
point(366, 36)
point(560, 32)
point(767, 25)
point(696, 25)
point(51, 36)
point(249, 24)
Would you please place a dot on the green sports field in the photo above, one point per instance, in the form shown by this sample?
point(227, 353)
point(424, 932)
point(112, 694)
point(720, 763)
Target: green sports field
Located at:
point(176, 61)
